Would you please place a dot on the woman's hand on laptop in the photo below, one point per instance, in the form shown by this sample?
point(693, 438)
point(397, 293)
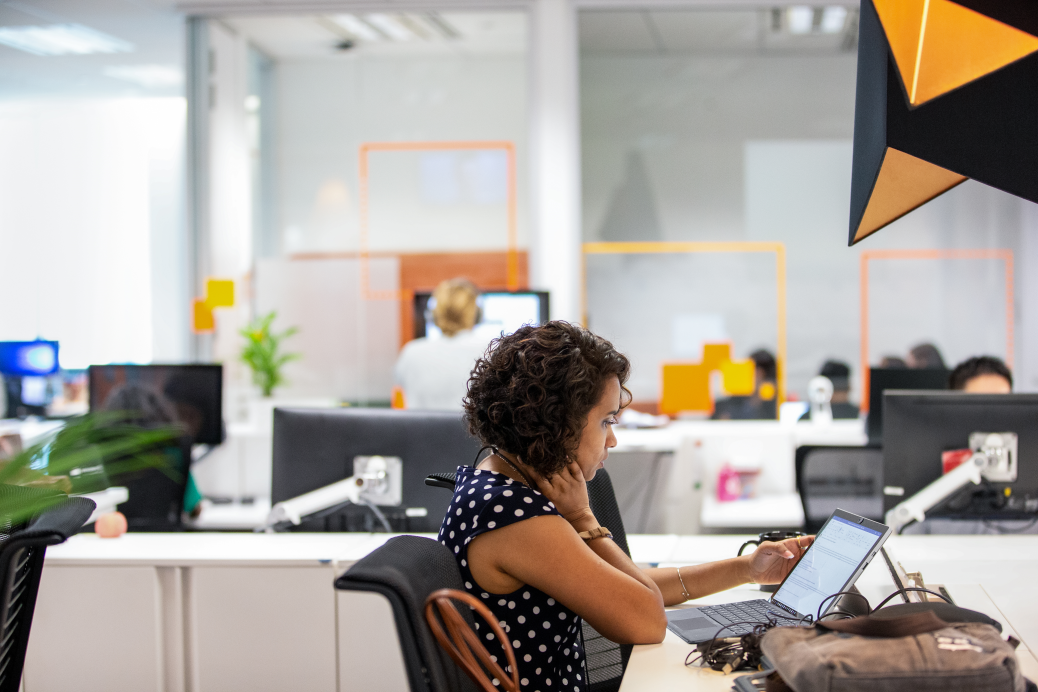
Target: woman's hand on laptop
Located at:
point(771, 562)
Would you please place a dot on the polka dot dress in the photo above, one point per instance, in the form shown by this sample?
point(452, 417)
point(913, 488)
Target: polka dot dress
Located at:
point(545, 634)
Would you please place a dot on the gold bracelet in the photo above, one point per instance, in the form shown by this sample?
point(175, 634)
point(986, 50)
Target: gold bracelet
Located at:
point(684, 591)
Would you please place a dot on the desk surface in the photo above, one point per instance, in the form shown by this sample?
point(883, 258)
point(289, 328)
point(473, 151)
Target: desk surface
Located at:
point(991, 574)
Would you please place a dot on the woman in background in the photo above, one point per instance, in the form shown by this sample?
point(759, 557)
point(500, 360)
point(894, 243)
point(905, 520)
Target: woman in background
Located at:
point(433, 371)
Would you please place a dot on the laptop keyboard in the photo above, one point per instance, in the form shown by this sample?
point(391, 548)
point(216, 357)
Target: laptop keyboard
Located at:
point(748, 613)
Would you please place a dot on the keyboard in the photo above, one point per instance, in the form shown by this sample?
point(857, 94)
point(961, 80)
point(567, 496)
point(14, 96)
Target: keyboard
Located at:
point(748, 613)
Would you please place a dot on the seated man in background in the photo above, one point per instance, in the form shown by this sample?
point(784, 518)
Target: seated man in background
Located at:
point(434, 372)
point(982, 375)
point(761, 404)
point(925, 357)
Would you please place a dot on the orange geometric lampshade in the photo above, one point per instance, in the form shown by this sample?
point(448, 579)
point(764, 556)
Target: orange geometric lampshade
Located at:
point(939, 45)
point(946, 92)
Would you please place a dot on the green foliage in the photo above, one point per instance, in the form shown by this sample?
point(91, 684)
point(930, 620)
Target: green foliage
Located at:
point(261, 354)
point(88, 454)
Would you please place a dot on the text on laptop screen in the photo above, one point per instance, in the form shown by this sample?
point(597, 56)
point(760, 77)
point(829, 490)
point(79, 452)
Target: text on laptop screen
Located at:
point(830, 562)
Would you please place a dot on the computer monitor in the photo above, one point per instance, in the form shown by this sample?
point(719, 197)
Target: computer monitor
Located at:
point(500, 312)
point(28, 358)
point(882, 379)
point(919, 426)
point(191, 395)
point(316, 447)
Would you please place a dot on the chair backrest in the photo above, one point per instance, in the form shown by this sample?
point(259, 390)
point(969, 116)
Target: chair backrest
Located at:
point(850, 478)
point(606, 660)
point(22, 550)
point(406, 570)
point(156, 497)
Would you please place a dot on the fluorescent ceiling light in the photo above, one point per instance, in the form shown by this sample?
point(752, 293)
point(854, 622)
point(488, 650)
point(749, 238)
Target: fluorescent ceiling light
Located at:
point(799, 19)
point(390, 26)
point(357, 27)
point(149, 76)
point(61, 39)
point(833, 19)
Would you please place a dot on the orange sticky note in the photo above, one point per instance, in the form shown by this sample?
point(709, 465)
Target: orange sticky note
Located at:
point(686, 387)
point(202, 317)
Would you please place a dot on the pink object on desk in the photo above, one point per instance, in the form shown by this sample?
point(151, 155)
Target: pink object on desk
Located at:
point(729, 487)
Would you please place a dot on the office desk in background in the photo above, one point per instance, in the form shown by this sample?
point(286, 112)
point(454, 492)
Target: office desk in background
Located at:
point(666, 477)
point(207, 612)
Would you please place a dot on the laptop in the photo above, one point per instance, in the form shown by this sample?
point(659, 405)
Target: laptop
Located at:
point(841, 551)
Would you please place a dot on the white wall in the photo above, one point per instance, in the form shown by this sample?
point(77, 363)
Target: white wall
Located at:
point(327, 107)
point(91, 237)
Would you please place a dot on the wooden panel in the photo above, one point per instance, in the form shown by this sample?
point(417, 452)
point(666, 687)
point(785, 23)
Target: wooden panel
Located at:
point(422, 272)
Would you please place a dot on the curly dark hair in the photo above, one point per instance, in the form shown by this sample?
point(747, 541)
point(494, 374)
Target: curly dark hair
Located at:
point(532, 391)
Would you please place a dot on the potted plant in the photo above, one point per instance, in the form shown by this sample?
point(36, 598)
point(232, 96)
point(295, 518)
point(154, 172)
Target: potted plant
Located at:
point(262, 352)
point(90, 453)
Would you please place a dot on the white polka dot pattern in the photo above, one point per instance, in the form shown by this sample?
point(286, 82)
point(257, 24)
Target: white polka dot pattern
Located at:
point(533, 612)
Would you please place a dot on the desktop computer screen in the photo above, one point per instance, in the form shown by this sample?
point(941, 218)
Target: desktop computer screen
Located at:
point(28, 358)
point(191, 395)
point(317, 447)
point(500, 311)
point(882, 379)
point(919, 426)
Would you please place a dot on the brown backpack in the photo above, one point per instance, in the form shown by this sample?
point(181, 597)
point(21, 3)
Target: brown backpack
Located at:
point(915, 652)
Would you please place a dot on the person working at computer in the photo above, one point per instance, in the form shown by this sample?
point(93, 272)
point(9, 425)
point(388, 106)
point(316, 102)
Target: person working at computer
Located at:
point(761, 404)
point(982, 375)
point(433, 371)
point(839, 374)
point(544, 400)
point(925, 357)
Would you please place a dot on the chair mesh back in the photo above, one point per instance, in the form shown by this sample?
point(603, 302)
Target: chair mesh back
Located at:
point(406, 570)
point(846, 477)
point(21, 563)
point(606, 660)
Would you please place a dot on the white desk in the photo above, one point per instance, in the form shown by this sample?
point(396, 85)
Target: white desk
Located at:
point(666, 477)
point(256, 611)
point(993, 575)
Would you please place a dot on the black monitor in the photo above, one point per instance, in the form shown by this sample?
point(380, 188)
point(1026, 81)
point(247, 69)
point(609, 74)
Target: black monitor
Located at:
point(191, 395)
point(919, 426)
point(316, 447)
point(500, 312)
point(882, 379)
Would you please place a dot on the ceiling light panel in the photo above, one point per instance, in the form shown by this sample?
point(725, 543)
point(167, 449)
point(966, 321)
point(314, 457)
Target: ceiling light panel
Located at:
point(800, 19)
point(61, 39)
point(390, 26)
point(356, 26)
point(833, 20)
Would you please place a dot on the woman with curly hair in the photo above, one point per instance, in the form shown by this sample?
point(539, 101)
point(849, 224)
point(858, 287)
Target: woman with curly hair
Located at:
point(544, 400)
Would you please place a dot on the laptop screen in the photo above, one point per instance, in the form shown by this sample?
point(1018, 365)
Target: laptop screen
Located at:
point(838, 550)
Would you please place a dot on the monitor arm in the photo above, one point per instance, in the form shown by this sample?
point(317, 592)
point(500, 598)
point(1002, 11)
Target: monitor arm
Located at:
point(347, 491)
point(994, 459)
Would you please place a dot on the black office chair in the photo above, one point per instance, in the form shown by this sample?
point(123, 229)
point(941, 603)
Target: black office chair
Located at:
point(849, 478)
point(405, 571)
point(156, 500)
point(606, 660)
point(22, 549)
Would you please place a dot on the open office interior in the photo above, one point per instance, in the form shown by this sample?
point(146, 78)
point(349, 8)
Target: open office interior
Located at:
point(610, 309)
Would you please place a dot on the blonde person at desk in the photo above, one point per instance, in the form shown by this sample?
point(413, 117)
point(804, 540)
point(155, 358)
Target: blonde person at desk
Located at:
point(544, 400)
point(433, 371)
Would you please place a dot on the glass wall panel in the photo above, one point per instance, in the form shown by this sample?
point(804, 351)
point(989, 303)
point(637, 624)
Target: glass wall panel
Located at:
point(736, 125)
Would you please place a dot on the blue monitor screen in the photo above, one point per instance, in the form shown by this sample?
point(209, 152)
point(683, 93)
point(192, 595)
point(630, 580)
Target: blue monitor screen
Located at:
point(28, 358)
